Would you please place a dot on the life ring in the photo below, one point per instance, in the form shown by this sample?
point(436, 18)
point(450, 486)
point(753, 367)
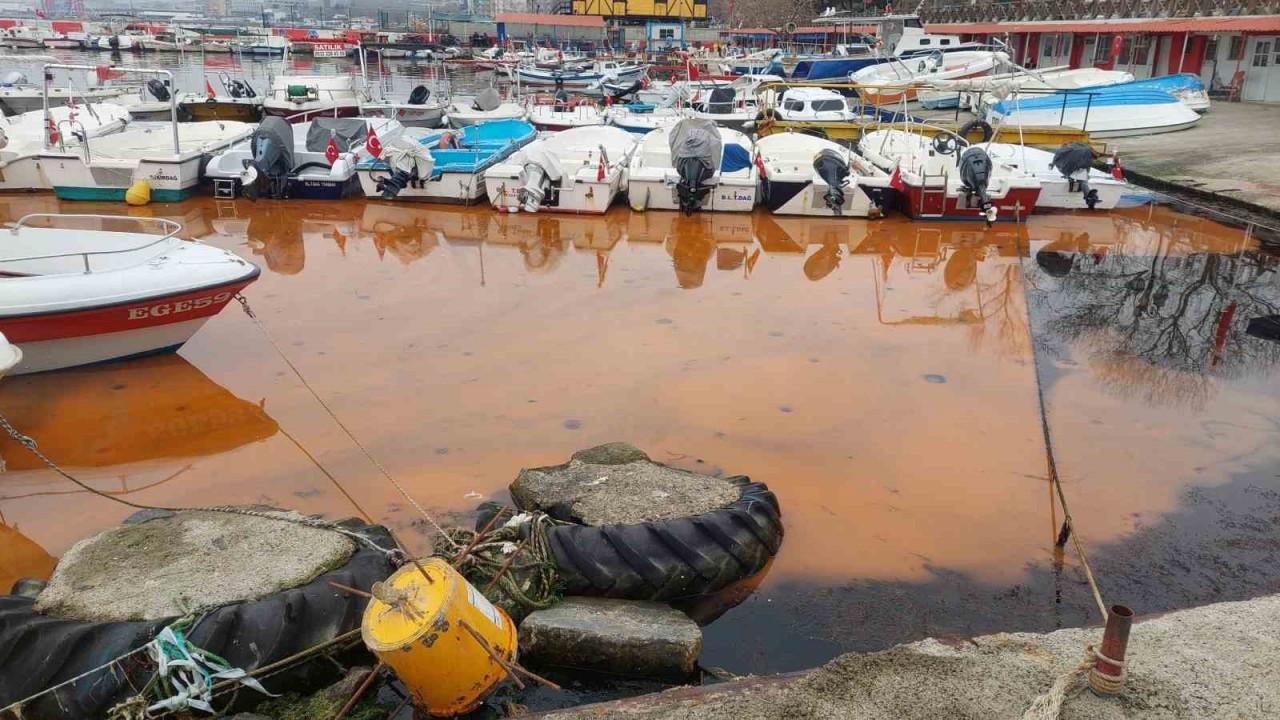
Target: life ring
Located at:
point(972, 125)
point(43, 650)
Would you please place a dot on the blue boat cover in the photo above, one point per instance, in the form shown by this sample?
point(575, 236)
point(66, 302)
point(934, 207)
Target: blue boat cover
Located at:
point(1086, 98)
point(734, 158)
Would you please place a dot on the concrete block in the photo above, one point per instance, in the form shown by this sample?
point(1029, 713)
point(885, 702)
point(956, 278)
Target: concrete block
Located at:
point(626, 637)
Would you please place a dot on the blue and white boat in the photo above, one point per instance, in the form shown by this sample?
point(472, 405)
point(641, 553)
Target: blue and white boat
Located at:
point(900, 36)
point(1187, 88)
point(445, 166)
point(1114, 111)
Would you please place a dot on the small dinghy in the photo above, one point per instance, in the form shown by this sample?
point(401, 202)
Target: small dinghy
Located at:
point(485, 107)
point(237, 101)
point(940, 178)
point(421, 109)
point(806, 175)
point(693, 166)
point(441, 166)
point(310, 161)
point(1067, 178)
point(1114, 111)
point(22, 138)
point(70, 296)
point(642, 119)
point(168, 157)
point(883, 82)
point(577, 171)
point(563, 113)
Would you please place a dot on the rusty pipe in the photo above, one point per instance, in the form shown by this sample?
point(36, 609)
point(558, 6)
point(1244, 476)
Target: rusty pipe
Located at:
point(1107, 677)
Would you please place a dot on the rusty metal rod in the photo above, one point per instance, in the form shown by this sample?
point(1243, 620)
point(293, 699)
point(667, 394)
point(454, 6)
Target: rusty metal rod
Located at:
point(360, 691)
point(353, 591)
point(506, 565)
point(1105, 677)
point(412, 559)
point(493, 655)
point(476, 540)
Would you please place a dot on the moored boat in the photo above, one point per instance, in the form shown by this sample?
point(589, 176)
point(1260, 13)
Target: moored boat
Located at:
point(485, 107)
point(580, 170)
point(641, 118)
point(888, 82)
point(445, 166)
point(237, 101)
point(693, 166)
point(554, 114)
point(1115, 111)
point(23, 137)
point(73, 297)
point(1067, 180)
point(805, 175)
point(422, 109)
point(587, 78)
point(300, 98)
point(18, 96)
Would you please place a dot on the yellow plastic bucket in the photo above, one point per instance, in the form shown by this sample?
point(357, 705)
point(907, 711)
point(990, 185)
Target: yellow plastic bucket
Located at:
point(419, 633)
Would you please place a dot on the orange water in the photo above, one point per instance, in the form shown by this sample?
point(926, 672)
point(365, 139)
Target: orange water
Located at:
point(877, 375)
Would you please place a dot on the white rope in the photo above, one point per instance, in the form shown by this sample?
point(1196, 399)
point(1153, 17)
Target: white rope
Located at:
point(1049, 705)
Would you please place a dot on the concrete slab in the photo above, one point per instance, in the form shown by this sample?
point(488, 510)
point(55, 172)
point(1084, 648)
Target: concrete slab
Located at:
point(617, 483)
point(1232, 153)
point(1217, 661)
point(168, 565)
point(626, 637)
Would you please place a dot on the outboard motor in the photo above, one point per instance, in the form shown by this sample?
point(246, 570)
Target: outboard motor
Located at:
point(114, 43)
point(541, 169)
point(158, 89)
point(419, 95)
point(241, 89)
point(975, 176)
point(835, 171)
point(695, 152)
point(13, 77)
point(1074, 160)
point(267, 174)
point(721, 101)
point(408, 161)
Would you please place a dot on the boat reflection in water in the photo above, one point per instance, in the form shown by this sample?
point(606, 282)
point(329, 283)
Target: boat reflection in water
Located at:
point(21, 557)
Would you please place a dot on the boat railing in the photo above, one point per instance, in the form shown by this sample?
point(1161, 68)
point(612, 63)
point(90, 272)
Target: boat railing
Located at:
point(172, 226)
point(72, 125)
point(173, 96)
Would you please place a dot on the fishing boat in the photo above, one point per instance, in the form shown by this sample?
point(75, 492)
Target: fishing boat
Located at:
point(22, 37)
point(1115, 111)
point(18, 96)
point(805, 175)
point(560, 113)
point(167, 156)
point(1063, 184)
point(693, 166)
point(642, 118)
point(767, 61)
point(23, 137)
point(314, 160)
point(934, 177)
point(580, 170)
point(422, 109)
point(591, 77)
point(485, 107)
point(71, 296)
point(1187, 88)
point(884, 82)
point(238, 101)
point(445, 166)
point(300, 98)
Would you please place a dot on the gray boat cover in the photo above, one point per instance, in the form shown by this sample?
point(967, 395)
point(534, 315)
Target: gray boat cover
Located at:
point(487, 100)
point(347, 133)
point(693, 138)
point(272, 145)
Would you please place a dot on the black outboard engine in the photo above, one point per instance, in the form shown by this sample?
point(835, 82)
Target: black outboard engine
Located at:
point(1074, 160)
point(618, 93)
point(975, 176)
point(721, 101)
point(272, 163)
point(695, 153)
point(419, 95)
point(834, 170)
point(114, 43)
point(158, 89)
point(241, 89)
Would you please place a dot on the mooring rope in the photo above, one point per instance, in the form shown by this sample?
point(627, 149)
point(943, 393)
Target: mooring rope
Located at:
point(244, 303)
point(519, 562)
point(1049, 705)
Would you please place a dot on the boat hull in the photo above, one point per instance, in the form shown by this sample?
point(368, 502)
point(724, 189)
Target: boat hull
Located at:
point(170, 180)
point(82, 337)
point(22, 174)
point(648, 193)
point(449, 188)
point(300, 115)
point(242, 112)
point(920, 203)
point(808, 197)
point(577, 198)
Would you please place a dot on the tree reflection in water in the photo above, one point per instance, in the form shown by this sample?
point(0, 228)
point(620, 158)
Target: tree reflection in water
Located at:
point(1160, 321)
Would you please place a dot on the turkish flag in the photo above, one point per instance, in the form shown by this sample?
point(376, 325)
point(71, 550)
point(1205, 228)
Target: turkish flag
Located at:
point(53, 131)
point(1117, 43)
point(895, 181)
point(208, 90)
point(105, 73)
point(331, 152)
point(373, 145)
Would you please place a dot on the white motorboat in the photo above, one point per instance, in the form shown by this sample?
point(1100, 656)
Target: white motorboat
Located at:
point(22, 36)
point(445, 166)
point(929, 174)
point(485, 107)
point(555, 114)
point(167, 157)
point(299, 98)
point(66, 41)
point(237, 101)
point(591, 77)
point(314, 160)
point(23, 137)
point(265, 45)
point(885, 83)
point(422, 109)
point(693, 166)
point(643, 119)
point(978, 93)
point(1109, 112)
point(806, 175)
point(18, 96)
point(1073, 187)
point(72, 296)
point(151, 102)
point(580, 170)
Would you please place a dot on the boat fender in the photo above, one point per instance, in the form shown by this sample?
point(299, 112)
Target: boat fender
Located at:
point(138, 193)
point(972, 125)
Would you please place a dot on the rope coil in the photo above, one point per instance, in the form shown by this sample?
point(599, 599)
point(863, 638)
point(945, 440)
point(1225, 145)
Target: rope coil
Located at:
point(515, 560)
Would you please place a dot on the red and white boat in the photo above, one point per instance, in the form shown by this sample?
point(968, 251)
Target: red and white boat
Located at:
point(71, 296)
point(301, 98)
point(925, 171)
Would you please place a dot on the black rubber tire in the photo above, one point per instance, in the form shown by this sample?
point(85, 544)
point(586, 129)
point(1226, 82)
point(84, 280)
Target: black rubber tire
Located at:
point(972, 125)
point(671, 559)
point(38, 651)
